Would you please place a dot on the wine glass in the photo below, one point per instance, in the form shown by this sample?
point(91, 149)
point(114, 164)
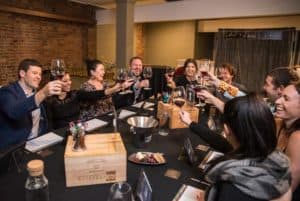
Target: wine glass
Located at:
point(190, 94)
point(57, 69)
point(170, 71)
point(179, 96)
point(120, 192)
point(163, 129)
point(197, 89)
point(147, 74)
point(121, 77)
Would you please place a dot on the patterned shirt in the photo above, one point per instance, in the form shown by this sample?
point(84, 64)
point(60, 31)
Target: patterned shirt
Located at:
point(92, 109)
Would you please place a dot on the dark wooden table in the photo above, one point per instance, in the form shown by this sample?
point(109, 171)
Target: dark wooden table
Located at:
point(164, 188)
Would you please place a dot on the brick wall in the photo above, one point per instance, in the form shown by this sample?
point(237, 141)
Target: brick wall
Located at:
point(24, 36)
point(140, 40)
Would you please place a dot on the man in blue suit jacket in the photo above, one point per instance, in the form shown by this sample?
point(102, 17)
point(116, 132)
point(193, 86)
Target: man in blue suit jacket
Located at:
point(22, 115)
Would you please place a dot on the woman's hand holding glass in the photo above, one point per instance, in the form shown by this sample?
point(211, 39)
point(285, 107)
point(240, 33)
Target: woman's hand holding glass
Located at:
point(185, 117)
point(122, 77)
point(211, 99)
point(128, 83)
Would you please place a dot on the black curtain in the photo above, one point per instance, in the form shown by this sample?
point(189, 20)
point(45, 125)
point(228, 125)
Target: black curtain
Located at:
point(254, 52)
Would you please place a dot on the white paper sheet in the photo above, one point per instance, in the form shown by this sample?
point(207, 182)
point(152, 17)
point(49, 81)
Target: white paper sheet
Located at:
point(42, 142)
point(189, 193)
point(146, 105)
point(94, 124)
point(125, 113)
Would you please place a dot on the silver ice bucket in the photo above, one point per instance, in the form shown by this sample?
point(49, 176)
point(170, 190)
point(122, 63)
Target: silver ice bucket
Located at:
point(142, 128)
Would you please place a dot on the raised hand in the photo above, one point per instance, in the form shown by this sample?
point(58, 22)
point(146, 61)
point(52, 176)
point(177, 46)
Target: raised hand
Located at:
point(185, 117)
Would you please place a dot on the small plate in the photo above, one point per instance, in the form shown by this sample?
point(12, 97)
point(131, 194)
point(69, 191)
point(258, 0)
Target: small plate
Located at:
point(157, 157)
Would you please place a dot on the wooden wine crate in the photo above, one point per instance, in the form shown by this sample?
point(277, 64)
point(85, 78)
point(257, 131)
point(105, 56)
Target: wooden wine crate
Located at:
point(173, 111)
point(104, 160)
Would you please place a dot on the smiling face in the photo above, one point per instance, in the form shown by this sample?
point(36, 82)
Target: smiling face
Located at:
point(190, 70)
point(136, 67)
point(288, 105)
point(67, 82)
point(224, 74)
point(32, 77)
point(271, 90)
point(98, 73)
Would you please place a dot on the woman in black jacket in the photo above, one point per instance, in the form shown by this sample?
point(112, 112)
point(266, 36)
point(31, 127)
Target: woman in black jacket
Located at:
point(253, 170)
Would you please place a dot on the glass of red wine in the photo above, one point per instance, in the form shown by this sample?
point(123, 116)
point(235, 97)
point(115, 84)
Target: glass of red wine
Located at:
point(147, 74)
point(121, 77)
point(179, 96)
point(197, 89)
point(57, 69)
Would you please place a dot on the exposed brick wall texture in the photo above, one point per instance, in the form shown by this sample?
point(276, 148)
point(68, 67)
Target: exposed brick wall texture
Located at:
point(23, 36)
point(140, 40)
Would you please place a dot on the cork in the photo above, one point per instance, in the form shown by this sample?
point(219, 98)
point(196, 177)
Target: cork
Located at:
point(35, 167)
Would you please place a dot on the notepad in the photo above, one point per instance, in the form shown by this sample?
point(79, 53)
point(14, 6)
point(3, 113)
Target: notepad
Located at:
point(94, 124)
point(189, 193)
point(42, 142)
point(125, 113)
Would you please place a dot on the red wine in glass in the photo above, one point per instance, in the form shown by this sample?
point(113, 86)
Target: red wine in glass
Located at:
point(204, 73)
point(197, 89)
point(120, 80)
point(57, 73)
point(179, 102)
point(57, 69)
point(170, 75)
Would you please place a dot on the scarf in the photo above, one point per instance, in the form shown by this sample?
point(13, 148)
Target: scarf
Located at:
point(267, 179)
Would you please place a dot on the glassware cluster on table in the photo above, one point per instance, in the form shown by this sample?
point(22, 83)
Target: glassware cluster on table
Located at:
point(180, 95)
point(123, 75)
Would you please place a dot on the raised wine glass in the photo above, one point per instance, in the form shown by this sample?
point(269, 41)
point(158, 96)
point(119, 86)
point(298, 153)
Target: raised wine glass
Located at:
point(121, 77)
point(57, 69)
point(179, 96)
point(147, 74)
point(197, 89)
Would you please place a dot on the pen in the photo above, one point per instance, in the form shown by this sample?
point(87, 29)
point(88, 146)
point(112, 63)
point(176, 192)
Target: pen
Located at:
point(201, 182)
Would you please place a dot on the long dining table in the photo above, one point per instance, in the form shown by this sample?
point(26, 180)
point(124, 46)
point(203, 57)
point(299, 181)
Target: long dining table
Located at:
point(164, 188)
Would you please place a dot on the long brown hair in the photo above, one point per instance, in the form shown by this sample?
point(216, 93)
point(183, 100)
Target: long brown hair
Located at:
point(296, 124)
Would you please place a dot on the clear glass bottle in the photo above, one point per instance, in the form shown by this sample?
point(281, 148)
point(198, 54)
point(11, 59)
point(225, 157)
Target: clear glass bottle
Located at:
point(36, 186)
